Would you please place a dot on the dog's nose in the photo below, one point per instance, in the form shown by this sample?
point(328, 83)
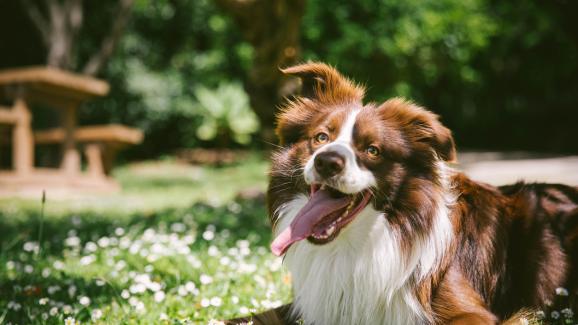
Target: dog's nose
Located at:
point(329, 164)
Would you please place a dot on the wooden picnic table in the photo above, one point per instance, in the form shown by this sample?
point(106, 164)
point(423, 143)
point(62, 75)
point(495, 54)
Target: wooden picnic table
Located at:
point(61, 90)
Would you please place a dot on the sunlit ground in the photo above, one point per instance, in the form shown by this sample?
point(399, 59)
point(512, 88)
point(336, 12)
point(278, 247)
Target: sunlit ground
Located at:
point(174, 247)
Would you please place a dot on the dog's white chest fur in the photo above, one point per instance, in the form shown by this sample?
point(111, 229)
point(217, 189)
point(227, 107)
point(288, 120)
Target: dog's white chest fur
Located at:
point(362, 276)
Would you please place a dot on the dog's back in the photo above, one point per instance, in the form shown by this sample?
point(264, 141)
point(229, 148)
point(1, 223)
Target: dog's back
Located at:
point(543, 246)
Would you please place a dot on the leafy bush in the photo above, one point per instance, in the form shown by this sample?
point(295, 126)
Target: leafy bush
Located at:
point(225, 114)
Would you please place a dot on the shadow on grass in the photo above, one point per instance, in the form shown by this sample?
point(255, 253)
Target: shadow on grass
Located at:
point(242, 219)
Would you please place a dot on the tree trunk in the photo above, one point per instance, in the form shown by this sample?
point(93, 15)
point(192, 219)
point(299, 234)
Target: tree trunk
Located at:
point(272, 27)
point(59, 22)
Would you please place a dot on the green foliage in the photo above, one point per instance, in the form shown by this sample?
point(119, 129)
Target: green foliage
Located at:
point(406, 42)
point(492, 69)
point(170, 49)
point(225, 113)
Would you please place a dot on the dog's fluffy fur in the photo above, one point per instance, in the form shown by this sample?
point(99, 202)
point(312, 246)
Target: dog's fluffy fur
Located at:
point(432, 246)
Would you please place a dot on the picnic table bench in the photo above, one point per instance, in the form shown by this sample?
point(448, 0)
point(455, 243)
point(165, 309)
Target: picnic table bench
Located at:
point(63, 92)
point(101, 143)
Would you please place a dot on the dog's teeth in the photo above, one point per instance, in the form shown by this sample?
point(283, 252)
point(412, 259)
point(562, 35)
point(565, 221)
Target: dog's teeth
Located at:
point(331, 230)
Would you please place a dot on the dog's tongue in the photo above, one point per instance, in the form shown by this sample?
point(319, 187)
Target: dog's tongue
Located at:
point(320, 204)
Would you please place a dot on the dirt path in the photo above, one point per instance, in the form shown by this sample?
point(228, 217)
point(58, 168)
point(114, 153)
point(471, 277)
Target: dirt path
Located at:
point(504, 168)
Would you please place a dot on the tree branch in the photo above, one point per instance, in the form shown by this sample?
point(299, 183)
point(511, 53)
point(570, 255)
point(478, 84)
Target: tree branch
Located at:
point(37, 19)
point(75, 15)
point(96, 62)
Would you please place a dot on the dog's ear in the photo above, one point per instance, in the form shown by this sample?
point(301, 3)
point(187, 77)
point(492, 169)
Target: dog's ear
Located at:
point(325, 84)
point(423, 128)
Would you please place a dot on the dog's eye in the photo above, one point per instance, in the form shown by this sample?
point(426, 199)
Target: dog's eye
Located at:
point(373, 151)
point(321, 137)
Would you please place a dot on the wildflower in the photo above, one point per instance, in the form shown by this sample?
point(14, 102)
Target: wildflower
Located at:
point(247, 268)
point(561, 292)
point(206, 279)
point(133, 301)
point(178, 227)
point(205, 302)
point(91, 247)
point(555, 314)
point(182, 291)
point(276, 265)
point(72, 241)
point(14, 305)
point(125, 294)
point(567, 312)
point(235, 299)
point(242, 243)
point(43, 301)
point(70, 321)
point(159, 296)
point(100, 282)
point(125, 243)
point(190, 286)
point(208, 235)
point(195, 262)
point(71, 291)
point(103, 242)
point(225, 260)
point(163, 316)
point(96, 314)
point(137, 288)
point(67, 309)
point(52, 289)
point(46, 272)
point(10, 265)
point(140, 307)
point(28, 268)
point(119, 231)
point(154, 286)
point(58, 265)
point(84, 300)
point(120, 265)
point(87, 260)
point(31, 246)
point(213, 251)
point(243, 310)
point(53, 311)
point(216, 301)
point(245, 251)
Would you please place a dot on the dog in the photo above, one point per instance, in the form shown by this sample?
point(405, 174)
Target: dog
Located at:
point(376, 227)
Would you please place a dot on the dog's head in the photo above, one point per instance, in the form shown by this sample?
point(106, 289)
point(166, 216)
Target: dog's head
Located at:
point(346, 155)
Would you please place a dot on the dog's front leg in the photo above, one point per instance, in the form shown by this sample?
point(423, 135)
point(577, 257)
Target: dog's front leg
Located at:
point(457, 303)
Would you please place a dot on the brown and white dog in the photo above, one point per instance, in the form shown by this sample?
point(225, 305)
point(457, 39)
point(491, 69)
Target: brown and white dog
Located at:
point(377, 228)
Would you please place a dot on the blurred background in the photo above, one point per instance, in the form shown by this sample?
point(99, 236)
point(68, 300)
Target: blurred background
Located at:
point(186, 238)
point(503, 75)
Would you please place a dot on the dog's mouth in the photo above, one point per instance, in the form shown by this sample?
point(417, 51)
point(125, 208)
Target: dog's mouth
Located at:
point(320, 221)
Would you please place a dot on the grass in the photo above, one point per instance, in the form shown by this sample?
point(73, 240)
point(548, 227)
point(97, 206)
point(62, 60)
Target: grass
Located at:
point(175, 247)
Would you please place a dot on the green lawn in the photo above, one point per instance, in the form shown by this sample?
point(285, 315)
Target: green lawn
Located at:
point(174, 247)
